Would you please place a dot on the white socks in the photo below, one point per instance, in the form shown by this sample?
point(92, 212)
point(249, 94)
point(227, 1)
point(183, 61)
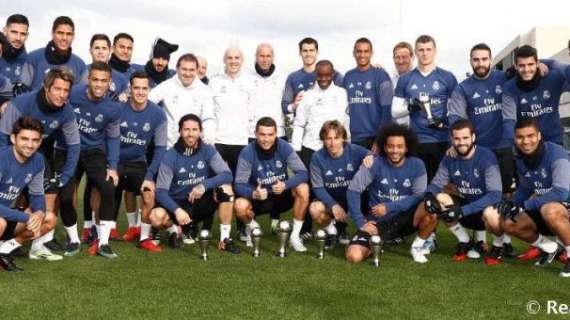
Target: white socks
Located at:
point(105, 227)
point(499, 241)
point(145, 231)
point(297, 225)
point(9, 246)
point(72, 233)
point(418, 242)
point(545, 244)
point(331, 229)
point(225, 231)
point(481, 235)
point(132, 219)
point(460, 233)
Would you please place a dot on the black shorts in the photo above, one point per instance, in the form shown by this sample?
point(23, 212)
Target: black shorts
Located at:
point(274, 203)
point(306, 154)
point(473, 221)
point(10, 231)
point(200, 210)
point(230, 154)
point(399, 226)
point(131, 176)
point(50, 167)
point(431, 154)
point(541, 225)
point(506, 161)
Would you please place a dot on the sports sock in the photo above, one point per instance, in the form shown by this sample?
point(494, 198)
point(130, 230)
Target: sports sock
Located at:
point(274, 223)
point(145, 231)
point(87, 224)
point(105, 228)
point(460, 233)
point(498, 241)
point(49, 236)
point(418, 242)
point(481, 235)
point(132, 219)
point(225, 230)
point(297, 225)
point(506, 238)
point(72, 233)
point(545, 244)
point(331, 229)
point(9, 246)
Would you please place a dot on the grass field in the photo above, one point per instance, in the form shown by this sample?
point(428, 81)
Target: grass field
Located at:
point(178, 285)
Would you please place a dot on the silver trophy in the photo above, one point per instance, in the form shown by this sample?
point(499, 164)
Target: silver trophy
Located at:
point(426, 105)
point(283, 230)
point(204, 239)
point(256, 239)
point(321, 236)
point(376, 244)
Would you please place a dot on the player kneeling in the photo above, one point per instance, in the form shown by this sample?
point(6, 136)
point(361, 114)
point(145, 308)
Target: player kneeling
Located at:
point(264, 185)
point(332, 169)
point(21, 167)
point(193, 181)
point(539, 207)
point(396, 183)
point(475, 181)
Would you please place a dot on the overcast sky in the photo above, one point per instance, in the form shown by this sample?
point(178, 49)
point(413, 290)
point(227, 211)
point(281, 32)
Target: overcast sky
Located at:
point(207, 27)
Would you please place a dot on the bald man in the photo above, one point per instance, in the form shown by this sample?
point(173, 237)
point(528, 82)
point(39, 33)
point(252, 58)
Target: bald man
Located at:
point(233, 106)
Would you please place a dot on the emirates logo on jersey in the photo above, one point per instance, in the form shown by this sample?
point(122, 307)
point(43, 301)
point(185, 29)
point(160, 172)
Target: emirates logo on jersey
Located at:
point(278, 164)
point(146, 127)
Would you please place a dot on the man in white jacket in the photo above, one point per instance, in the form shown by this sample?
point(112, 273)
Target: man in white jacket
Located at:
point(268, 86)
point(233, 107)
point(324, 102)
point(184, 94)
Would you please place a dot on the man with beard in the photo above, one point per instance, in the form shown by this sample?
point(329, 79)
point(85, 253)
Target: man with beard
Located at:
point(50, 106)
point(540, 205)
point(57, 53)
point(263, 183)
point(192, 182)
point(13, 60)
point(122, 53)
point(370, 94)
point(478, 98)
point(98, 121)
point(332, 168)
point(20, 168)
point(532, 95)
point(157, 66)
point(395, 184)
point(183, 94)
point(304, 78)
point(426, 86)
point(475, 173)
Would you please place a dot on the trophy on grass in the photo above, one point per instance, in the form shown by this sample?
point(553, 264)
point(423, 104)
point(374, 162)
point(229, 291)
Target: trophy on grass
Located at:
point(204, 239)
point(376, 245)
point(256, 239)
point(321, 236)
point(283, 230)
